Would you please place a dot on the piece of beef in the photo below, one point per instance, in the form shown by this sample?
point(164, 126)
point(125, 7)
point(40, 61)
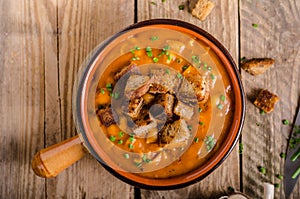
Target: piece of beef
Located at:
point(200, 87)
point(106, 117)
point(157, 89)
point(124, 70)
point(136, 86)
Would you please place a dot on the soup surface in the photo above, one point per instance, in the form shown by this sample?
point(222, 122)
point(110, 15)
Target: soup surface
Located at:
point(163, 103)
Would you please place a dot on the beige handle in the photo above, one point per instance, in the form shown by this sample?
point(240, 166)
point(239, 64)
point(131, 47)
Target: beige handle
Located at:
point(51, 161)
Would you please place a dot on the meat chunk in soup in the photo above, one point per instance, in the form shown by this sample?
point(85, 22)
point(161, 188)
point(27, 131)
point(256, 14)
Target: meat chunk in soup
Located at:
point(124, 70)
point(106, 117)
point(184, 111)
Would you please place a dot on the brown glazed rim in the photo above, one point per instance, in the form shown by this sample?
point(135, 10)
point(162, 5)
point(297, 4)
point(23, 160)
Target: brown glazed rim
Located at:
point(218, 157)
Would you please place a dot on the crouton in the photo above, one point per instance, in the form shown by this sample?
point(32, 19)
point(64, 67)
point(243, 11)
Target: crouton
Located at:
point(200, 8)
point(257, 66)
point(266, 101)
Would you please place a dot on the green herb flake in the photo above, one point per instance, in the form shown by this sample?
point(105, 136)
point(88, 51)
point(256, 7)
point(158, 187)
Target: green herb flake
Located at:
point(279, 176)
point(189, 127)
point(296, 173)
point(262, 170)
point(102, 91)
point(210, 142)
point(115, 95)
point(112, 138)
point(121, 134)
point(262, 112)
point(126, 155)
point(153, 3)
point(285, 122)
point(220, 106)
point(213, 76)
point(168, 71)
point(148, 49)
point(179, 76)
point(195, 59)
point(130, 146)
point(131, 139)
point(201, 123)
point(149, 54)
point(181, 7)
point(241, 148)
point(276, 185)
point(254, 25)
point(169, 57)
point(137, 48)
point(144, 158)
point(154, 38)
point(132, 51)
point(223, 98)
point(138, 164)
point(209, 68)
point(282, 155)
point(243, 59)
point(196, 140)
point(199, 110)
point(166, 48)
point(185, 67)
point(155, 59)
point(135, 58)
point(120, 142)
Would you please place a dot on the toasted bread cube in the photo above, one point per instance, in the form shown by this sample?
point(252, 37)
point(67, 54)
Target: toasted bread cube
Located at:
point(266, 101)
point(257, 66)
point(200, 8)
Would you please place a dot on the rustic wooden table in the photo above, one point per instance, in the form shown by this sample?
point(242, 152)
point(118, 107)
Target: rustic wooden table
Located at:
point(43, 43)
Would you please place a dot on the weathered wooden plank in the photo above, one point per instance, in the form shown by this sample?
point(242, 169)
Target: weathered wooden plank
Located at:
point(23, 30)
point(223, 24)
point(81, 26)
point(276, 36)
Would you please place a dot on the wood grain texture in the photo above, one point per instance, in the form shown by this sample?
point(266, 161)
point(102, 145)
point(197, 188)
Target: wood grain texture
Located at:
point(277, 36)
point(223, 24)
point(80, 27)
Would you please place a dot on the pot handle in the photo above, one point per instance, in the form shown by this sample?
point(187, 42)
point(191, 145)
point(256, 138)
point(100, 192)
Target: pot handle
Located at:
point(49, 162)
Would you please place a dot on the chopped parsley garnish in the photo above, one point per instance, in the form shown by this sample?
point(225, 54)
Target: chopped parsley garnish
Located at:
point(185, 67)
point(120, 142)
point(282, 155)
point(109, 87)
point(220, 106)
point(155, 59)
point(262, 112)
point(196, 140)
point(115, 95)
point(169, 57)
point(181, 7)
point(166, 48)
point(126, 155)
point(209, 68)
point(196, 59)
point(222, 97)
point(121, 134)
point(276, 185)
point(112, 138)
point(241, 148)
point(296, 173)
point(199, 110)
point(254, 25)
point(130, 146)
point(189, 127)
point(131, 139)
point(102, 91)
point(201, 123)
point(179, 75)
point(135, 58)
point(210, 142)
point(154, 38)
point(148, 49)
point(213, 76)
point(137, 48)
point(285, 122)
point(149, 54)
point(262, 170)
point(168, 71)
point(243, 59)
point(279, 176)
